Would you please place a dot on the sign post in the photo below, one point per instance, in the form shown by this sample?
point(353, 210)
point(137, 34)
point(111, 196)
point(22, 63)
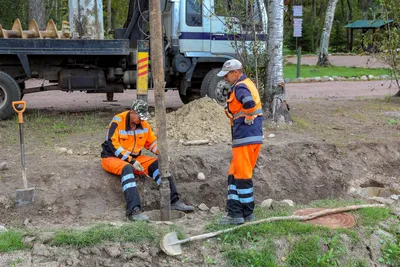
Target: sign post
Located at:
point(297, 32)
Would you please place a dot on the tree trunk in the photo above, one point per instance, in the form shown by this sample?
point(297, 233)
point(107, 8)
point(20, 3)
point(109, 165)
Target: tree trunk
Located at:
point(109, 13)
point(323, 53)
point(274, 93)
point(37, 11)
point(321, 11)
point(349, 33)
point(314, 11)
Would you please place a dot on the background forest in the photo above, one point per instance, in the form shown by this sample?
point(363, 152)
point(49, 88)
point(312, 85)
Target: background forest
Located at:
point(313, 19)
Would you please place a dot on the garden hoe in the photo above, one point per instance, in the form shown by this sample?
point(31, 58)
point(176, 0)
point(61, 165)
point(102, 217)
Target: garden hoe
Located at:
point(25, 195)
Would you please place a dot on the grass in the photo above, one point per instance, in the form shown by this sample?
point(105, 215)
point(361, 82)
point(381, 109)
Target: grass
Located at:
point(309, 245)
point(10, 241)
point(290, 71)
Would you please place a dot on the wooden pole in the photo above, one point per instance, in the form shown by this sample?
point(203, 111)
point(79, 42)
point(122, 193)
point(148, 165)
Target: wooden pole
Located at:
point(157, 67)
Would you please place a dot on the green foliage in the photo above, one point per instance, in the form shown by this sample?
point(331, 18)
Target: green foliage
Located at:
point(133, 232)
point(290, 71)
point(391, 254)
point(10, 240)
point(392, 122)
point(262, 257)
point(372, 216)
point(305, 252)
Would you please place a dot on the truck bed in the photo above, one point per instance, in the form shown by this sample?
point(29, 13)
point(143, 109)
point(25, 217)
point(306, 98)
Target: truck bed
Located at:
point(15, 46)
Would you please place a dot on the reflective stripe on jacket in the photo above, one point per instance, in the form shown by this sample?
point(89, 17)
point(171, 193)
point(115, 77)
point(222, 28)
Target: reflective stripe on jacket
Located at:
point(244, 103)
point(127, 144)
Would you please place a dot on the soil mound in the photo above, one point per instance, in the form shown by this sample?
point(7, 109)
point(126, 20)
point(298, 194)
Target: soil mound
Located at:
point(200, 119)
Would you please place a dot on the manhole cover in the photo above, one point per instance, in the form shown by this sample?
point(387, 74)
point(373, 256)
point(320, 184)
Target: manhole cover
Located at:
point(334, 221)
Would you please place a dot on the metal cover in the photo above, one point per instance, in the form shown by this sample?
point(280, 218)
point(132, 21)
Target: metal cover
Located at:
point(333, 221)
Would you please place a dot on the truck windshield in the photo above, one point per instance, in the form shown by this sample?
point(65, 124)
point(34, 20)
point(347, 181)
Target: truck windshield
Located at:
point(194, 13)
point(247, 11)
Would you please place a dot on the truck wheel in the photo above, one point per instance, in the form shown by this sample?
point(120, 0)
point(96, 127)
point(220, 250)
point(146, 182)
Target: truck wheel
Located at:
point(189, 97)
point(9, 92)
point(217, 87)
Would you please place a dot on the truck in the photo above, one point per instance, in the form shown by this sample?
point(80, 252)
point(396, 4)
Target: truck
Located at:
point(196, 44)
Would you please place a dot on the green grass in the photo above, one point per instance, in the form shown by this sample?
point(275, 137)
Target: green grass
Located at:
point(305, 252)
point(263, 256)
point(290, 71)
point(11, 240)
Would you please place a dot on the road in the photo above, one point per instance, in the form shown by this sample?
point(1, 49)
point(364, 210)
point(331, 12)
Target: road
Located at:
point(77, 101)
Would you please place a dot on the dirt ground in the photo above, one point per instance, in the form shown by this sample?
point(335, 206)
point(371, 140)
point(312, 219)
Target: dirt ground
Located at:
point(344, 135)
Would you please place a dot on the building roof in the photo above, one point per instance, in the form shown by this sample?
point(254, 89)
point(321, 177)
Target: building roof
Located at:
point(368, 24)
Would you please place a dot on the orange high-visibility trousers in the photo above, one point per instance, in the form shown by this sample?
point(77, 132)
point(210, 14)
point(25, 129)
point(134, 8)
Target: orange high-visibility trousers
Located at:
point(240, 200)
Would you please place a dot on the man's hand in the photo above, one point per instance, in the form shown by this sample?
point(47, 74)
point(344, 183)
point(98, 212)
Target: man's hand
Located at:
point(137, 166)
point(249, 122)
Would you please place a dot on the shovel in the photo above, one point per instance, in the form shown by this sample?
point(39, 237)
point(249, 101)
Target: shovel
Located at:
point(171, 245)
point(23, 196)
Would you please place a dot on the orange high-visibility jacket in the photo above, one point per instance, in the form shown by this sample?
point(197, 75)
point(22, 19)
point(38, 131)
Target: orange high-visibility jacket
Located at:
point(127, 144)
point(244, 103)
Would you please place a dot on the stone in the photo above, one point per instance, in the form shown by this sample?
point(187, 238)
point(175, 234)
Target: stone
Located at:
point(27, 221)
point(395, 197)
point(70, 152)
point(46, 237)
point(370, 77)
point(6, 202)
point(3, 166)
point(28, 240)
point(287, 202)
point(214, 210)
point(203, 207)
point(113, 252)
point(40, 250)
point(61, 149)
point(271, 136)
point(382, 200)
point(2, 229)
point(364, 78)
point(201, 176)
point(266, 203)
point(95, 251)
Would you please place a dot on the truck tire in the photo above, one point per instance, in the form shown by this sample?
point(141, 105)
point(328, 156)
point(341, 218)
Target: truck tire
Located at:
point(9, 92)
point(206, 83)
point(189, 97)
point(217, 87)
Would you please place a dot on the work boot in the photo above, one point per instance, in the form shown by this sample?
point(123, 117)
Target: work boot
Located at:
point(138, 215)
point(249, 218)
point(179, 205)
point(230, 220)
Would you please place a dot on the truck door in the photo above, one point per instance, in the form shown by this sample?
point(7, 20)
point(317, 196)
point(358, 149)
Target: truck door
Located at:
point(194, 26)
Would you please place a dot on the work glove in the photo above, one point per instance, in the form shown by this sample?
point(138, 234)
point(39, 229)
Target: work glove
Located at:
point(249, 122)
point(137, 166)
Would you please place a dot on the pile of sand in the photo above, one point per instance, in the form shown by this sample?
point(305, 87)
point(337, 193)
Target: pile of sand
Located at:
point(200, 119)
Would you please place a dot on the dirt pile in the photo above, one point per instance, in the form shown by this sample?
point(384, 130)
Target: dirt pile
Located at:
point(200, 119)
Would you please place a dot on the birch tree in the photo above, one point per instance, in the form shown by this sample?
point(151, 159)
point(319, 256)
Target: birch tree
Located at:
point(37, 11)
point(324, 44)
point(274, 93)
point(109, 14)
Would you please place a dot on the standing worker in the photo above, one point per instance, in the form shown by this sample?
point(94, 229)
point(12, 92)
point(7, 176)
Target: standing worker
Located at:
point(128, 133)
point(245, 113)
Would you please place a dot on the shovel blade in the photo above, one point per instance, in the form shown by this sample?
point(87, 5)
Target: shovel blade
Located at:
point(24, 196)
point(167, 244)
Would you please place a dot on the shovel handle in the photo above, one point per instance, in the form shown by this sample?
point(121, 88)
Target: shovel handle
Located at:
point(19, 111)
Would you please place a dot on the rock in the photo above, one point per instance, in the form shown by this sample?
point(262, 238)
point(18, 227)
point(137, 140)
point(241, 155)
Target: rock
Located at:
point(28, 240)
point(288, 80)
point(271, 136)
point(395, 197)
point(336, 78)
point(70, 152)
point(61, 150)
point(301, 80)
point(325, 78)
point(330, 79)
point(95, 251)
point(6, 202)
point(40, 250)
point(214, 210)
point(382, 200)
point(46, 237)
point(266, 203)
point(203, 207)
point(370, 77)
point(364, 78)
point(27, 221)
point(113, 252)
point(288, 202)
point(201, 176)
point(84, 251)
point(3, 166)
point(2, 229)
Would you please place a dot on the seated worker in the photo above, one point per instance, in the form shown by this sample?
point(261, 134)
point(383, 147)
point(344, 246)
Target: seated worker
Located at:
point(128, 133)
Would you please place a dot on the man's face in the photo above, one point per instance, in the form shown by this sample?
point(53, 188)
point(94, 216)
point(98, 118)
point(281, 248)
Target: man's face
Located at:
point(232, 76)
point(135, 117)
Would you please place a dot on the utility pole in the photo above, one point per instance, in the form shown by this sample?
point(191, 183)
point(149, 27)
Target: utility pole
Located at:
point(157, 67)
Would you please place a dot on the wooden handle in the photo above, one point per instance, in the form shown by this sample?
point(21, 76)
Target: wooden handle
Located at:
point(19, 111)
